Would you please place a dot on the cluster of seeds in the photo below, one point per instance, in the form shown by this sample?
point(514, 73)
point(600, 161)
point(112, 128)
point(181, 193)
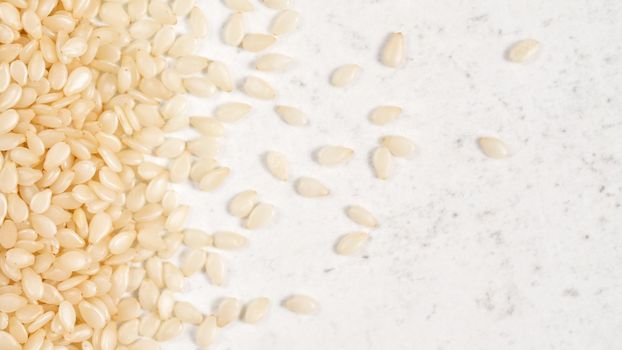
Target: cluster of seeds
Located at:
point(90, 91)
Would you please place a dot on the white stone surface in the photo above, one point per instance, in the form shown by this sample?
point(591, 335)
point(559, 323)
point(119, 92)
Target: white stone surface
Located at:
point(471, 252)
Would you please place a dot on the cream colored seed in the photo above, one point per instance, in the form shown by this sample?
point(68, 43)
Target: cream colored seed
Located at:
point(258, 88)
point(291, 115)
point(207, 126)
point(181, 8)
point(277, 4)
point(161, 12)
point(399, 146)
point(523, 50)
point(310, 187)
point(198, 23)
point(166, 304)
point(362, 216)
point(256, 310)
point(202, 87)
point(233, 30)
point(193, 262)
point(334, 155)
point(128, 332)
point(384, 114)
point(187, 313)
point(196, 238)
point(242, 204)
point(285, 22)
point(78, 80)
point(203, 147)
point(11, 302)
point(207, 332)
point(301, 304)
point(232, 112)
point(277, 165)
point(215, 269)
point(382, 162)
point(149, 325)
point(273, 62)
point(259, 216)
point(228, 311)
point(180, 168)
point(229, 240)
point(169, 329)
point(493, 147)
point(393, 52)
point(144, 344)
point(345, 75)
point(240, 5)
point(255, 42)
point(218, 73)
point(213, 179)
point(173, 277)
point(8, 341)
point(351, 243)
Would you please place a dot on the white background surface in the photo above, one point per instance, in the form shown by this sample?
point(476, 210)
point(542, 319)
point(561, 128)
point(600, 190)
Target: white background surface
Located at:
point(472, 253)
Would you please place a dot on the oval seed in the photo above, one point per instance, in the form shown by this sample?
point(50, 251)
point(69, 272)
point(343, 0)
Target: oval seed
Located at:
point(207, 331)
point(291, 115)
point(229, 240)
point(228, 311)
point(361, 216)
point(213, 179)
point(392, 54)
point(310, 187)
point(384, 114)
point(259, 216)
point(277, 165)
point(301, 304)
point(215, 269)
point(169, 329)
point(239, 5)
point(285, 22)
point(351, 242)
point(187, 313)
point(10, 302)
point(8, 341)
point(256, 310)
point(208, 126)
point(523, 50)
point(218, 73)
point(92, 315)
point(181, 8)
point(382, 162)
point(78, 80)
point(198, 23)
point(193, 262)
point(128, 332)
point(277, 4)
point(173, 277)
point(333, 155)
point(255, 42)
point(258, 88)
point(149, 325)
point(493, 147)
point(345, 75)
point(233, 30)
point(273, 62)
point(232, 112)
point(242, 204)
point(201, 87)
point(399, 146)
